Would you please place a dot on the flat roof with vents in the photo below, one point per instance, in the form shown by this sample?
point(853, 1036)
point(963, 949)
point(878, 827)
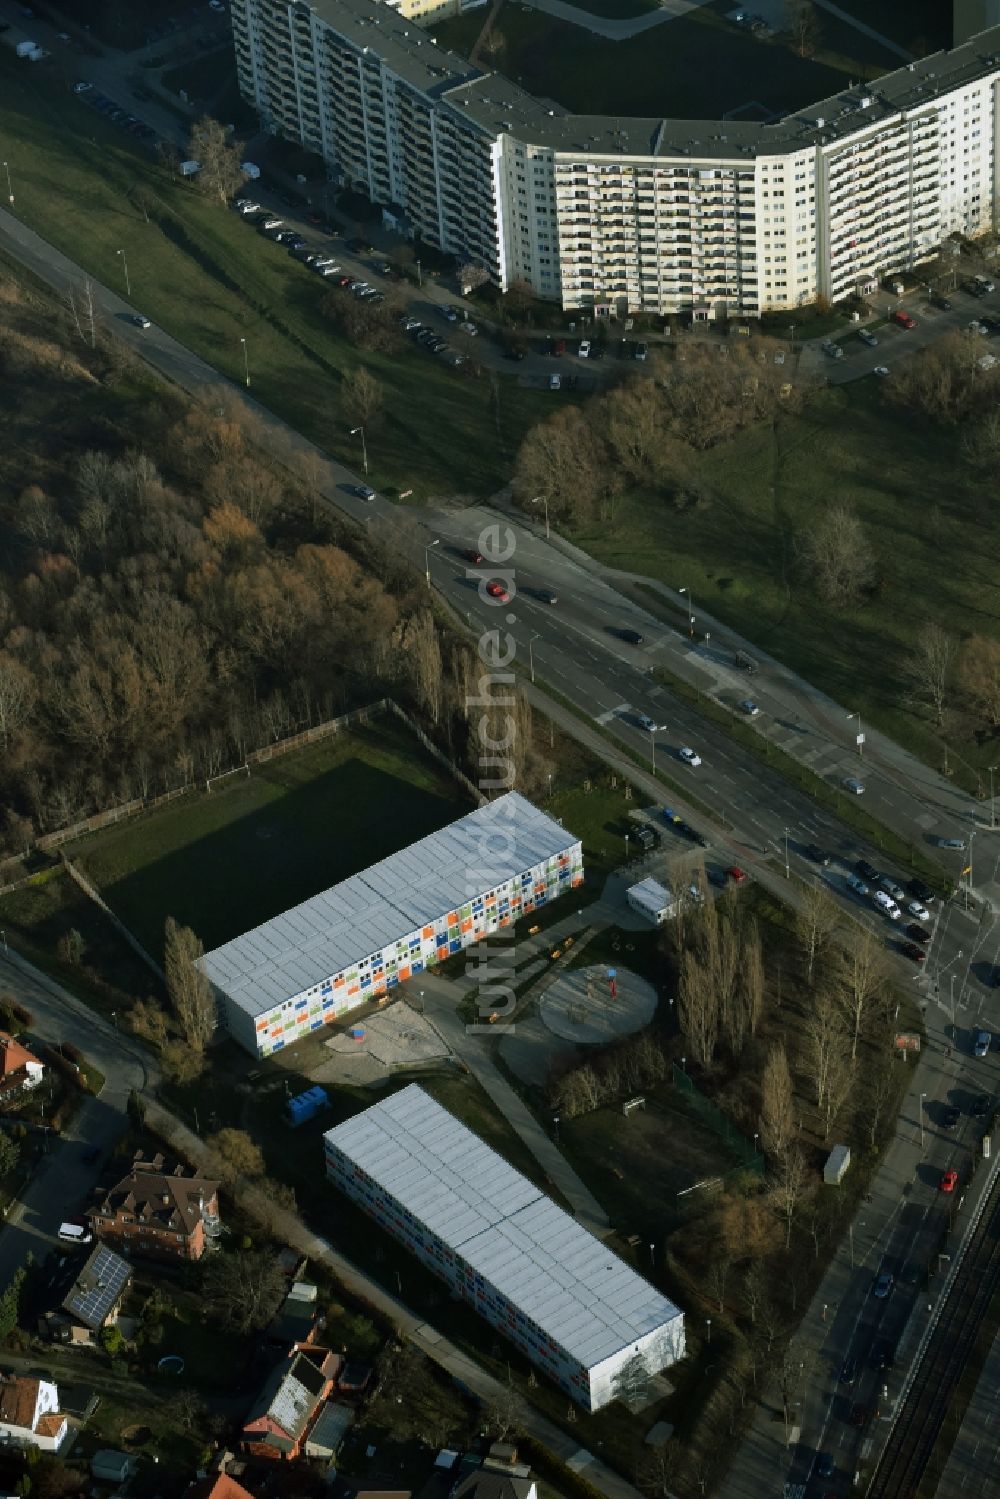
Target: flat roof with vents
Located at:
point(581, 1295)
point(366, 913)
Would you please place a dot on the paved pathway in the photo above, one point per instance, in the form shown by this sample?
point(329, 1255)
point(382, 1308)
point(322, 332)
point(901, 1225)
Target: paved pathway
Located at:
point(876, 36)
point(616, 29)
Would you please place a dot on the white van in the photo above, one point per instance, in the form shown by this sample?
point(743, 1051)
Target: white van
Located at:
point(74, 1233)
point(887, 905)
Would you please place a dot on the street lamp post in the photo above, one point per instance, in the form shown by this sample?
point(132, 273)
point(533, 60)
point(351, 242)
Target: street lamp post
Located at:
point(922, 1097)
point(555, 1125)
point(128, 287)
point(652, 741)
point(626, 848)
point(541, 499)
point(993, 805)
point(531, 654)
point(364, 447)
point(788, 873)
point(690, 604)
point(10, 190)
point(708, 1330)
point(861, 733)
point(246, 363)
point(427, 558)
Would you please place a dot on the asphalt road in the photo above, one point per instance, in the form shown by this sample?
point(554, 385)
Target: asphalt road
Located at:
point(61, 1186)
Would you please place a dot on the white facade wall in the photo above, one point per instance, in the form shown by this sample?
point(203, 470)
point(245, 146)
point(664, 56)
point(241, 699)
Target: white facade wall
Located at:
point(375, 975)
point(745, 219)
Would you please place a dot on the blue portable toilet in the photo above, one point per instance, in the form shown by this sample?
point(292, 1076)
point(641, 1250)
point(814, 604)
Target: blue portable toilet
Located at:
point(306, 1106)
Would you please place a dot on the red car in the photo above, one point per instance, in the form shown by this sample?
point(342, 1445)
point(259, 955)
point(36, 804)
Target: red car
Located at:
point(475, 557)
point(736, 874)
point(344, 280)
point(949, 1181)
point(315, 218)
point(498, 591)
point(904, 320)
point(913, 952)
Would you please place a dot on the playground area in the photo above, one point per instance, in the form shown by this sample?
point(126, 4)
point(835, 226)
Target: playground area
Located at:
point(369, 1052)
point(595, 1005)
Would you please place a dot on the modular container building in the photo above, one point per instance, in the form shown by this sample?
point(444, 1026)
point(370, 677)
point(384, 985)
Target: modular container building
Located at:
point(356, 941)
point(576, 1310)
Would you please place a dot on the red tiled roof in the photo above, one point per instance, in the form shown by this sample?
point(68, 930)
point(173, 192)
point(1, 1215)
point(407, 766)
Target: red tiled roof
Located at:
point(217, 1486)
point(18, 1400)
point(13, 1056)
point(51, 1424)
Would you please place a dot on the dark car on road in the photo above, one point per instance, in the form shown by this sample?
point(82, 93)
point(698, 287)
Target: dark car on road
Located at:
point(860, 1415)
point(950, 1117)
point(917, 932)
point(867, 871)
point(823, 1466)
point(814, 852)
point(941, 303)
point(848, 1371)
point(913, 952)
point(919, 890)
point(631, 637)
point(884, 1283)
point(980, 1107)
point(883, 1356)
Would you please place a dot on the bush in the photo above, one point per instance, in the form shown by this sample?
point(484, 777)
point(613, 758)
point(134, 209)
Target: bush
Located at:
point(72, 1053)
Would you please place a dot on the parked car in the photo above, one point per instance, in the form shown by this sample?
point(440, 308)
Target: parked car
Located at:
point(450, 314)
point(646, 837)
point(913, 952)
point(917, 909)
point(469, 328)
point(904, 319)
point(867, 871)
point(584, 349)
point(981, 1043)
point(887, 905)
point(823, 1465)
point(641, 351)
point(890, 887)
point(941, 303)
point(919, 890)
point(918, 933)
point(867, 337)
point(848, 1371)
point(949, 1181)
point(857, 884)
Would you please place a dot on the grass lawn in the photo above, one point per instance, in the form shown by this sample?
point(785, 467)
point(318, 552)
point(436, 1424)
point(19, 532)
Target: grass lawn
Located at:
point(616, 9)
point(935, 543)
point(656, 72)
point(921, 26)
point(209, 279)
point(226, 861)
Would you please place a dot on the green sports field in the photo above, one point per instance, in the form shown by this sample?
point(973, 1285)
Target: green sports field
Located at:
point(224, 861)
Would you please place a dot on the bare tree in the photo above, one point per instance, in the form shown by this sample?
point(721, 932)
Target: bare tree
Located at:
point(561, 460)
point(861, 979)
point(471, 276)
point(752, 977)
point(931, 667)
point(188, 989)
point(838, 556)
point(698, 1009)
point(423, 650)
point(18, 694)
point(787, 1187)
point(979, 677)
point(803, 26)
point(244, 1289)
point(718, 1275)
point(825, 1036)
point(754, 1290)
point(233, 1154)
point(878, 1096)
point(361, 397)
point(815, 921)
point(777, 1110)
point(840, 1081)
point(221, 174)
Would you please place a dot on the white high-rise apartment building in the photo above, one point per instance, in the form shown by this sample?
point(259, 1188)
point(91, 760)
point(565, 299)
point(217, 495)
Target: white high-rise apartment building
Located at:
point(630, 214)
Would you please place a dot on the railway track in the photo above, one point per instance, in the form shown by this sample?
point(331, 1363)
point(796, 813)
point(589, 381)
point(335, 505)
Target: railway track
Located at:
point(918, 1423)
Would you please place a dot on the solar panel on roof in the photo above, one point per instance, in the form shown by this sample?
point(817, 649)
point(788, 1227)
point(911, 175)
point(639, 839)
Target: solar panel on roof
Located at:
point(98, 1287)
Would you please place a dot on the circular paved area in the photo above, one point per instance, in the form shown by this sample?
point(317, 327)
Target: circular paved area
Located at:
point(578, 1006)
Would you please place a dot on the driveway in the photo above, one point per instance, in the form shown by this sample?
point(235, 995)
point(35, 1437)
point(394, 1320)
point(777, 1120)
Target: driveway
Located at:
point(62, 1184)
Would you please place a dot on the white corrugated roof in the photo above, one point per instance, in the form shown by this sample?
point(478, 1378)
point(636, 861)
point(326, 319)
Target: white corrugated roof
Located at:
point(363, 914)
point(652, 891)
point(580, 1294)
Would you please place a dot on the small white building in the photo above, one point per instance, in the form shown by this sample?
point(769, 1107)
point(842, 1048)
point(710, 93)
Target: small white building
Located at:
point(572, 1307)
point(652, 900)
point(30, 1414)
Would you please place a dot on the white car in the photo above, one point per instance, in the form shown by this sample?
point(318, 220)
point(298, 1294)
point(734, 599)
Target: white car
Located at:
point(555, 382)
point(887, 905)
point(695, 896)
point(853, 785)
point(689, 756)
point(364, 492)
point(141, 322)
point(867, 337)
point(450, 314)
point(82, 88)
point(779, 358)
point(914, 908)
point(584, 349)
point(881, 370)
point(469, 328)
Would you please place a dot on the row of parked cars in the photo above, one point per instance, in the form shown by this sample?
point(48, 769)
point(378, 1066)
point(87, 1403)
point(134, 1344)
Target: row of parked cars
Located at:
point(113, 111)
point(890, 898)
point(431, 341)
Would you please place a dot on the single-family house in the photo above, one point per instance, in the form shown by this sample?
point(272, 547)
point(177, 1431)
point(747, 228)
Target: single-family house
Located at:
point(20, 1070)
point(30, 1414)
point(87, 1297)
point(159, 1212)
point(110, 1466)
point(287, 1407)
point(218, 1485)
point(488, 1483)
